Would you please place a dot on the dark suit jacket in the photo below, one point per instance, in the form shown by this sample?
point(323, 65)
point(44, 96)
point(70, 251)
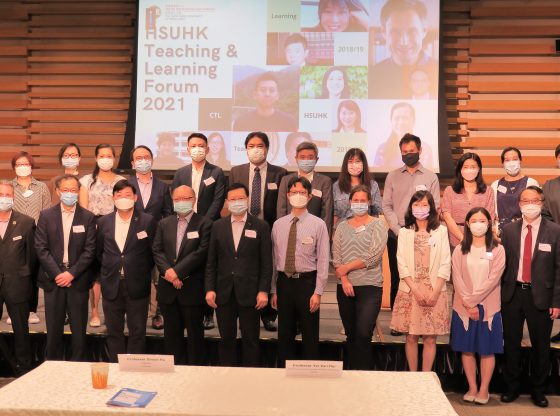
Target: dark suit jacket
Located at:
point(189, 264)
point(160, 204)
point(247, 270)
point(545, 265)
point(212, 189)
point(274, 175)
point(49, 243)
point(18, 262)
point(136, 258)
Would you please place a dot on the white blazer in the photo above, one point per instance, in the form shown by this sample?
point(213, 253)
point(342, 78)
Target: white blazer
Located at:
point(440, 256)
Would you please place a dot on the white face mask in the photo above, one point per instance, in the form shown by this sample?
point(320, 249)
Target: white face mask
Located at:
point(256, 155)
point(469, 174)
point(478, 229)
point(298, 201)
point(124, 204)
point(198, 154)
point(355, 169)
point(71, 162)
point(512, 167)
point(105, 163)
point(23, 171)
point(531, 211)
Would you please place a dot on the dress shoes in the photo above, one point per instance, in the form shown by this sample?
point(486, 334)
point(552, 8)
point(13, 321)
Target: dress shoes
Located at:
point(157, 322)
point(509, 397)
point(481, 400)
point(269, 325)
point(396, 333)
point(555, 338)
point(539, 400)
point(209, 322)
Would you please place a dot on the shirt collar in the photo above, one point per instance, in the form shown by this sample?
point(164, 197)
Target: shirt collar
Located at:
point(186, 218)
point(149, 181)
point(420, 169)
point(301, 217)
point(308, 176)
point(535, 224)
point(261, 167)
point(201, 168)
point(244, 219)
point(34, 182)
point(73, 210)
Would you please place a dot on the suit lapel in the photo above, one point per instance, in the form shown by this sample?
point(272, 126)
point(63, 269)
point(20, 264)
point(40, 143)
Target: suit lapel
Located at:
point(59, 226)
point(229, 235)
point(132, 230)
point(206, 173)
point(242, 240)
point(245, 174)
point(540, 235)
point(188, 175)
point(516, 243)
point(192, 226)
point(152, 194)
point(12, 224)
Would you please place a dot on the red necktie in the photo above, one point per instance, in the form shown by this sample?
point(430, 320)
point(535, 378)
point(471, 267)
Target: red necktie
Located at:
point(527, 252)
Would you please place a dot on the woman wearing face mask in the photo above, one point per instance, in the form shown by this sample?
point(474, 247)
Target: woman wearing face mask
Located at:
point(96, 195)
point(30, 198)
point(468, 191)
point(424, 261)
point(476, 326)
point(354, 172)
point(507, 190)
point(358, 246)
point(69, 158)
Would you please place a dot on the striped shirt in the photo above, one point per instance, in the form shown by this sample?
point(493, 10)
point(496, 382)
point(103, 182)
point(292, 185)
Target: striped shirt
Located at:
point(312, 247)
point(33, 200)
point(367, 244)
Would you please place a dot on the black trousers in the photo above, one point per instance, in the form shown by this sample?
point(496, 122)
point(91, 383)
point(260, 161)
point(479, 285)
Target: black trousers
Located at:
point(249, 324)
point(57, 302)
point(177, 318)
point(392, 253)
point(293, 307)
point(359, 314)
point(34, 301)
point(522, 308)
point(19, 313)
point(136, 311)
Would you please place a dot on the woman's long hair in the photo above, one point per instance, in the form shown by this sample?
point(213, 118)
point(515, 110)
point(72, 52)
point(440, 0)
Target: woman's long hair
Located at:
point(459, 183)
point(467, 240)
point(95, 173)
point(433, 218)
point(345, 93)
point(350, 105)
point(344, 178)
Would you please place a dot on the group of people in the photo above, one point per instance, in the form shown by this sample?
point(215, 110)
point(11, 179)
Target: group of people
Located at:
point(258, 246)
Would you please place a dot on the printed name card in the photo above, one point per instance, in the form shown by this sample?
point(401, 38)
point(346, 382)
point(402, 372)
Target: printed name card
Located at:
point(311, 368)
point(146, 363)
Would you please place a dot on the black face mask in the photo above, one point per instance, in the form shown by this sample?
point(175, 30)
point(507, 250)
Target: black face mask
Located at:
point(411, 159)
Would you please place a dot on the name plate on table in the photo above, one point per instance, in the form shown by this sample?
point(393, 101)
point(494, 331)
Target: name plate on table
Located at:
point(146, 363)
point(311, 368)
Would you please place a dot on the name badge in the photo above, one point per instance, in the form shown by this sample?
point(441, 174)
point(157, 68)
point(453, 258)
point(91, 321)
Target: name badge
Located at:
point(78, 229)
point(27, 193)
point(307, 240)
point(192, 235)
point(487, 255)
point(16, 238)
point(360, 229)
point(271, 186)
point(502, 189)
point(250, 234)
point(421, 188)
point(317, 192)
point(209, 181)
point(141, 235)
point(545, 247)
point(432, 241)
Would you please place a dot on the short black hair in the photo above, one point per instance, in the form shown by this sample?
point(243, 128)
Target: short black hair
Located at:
point(66, 177)
point(198, 136)
point(360, 188)
point(123, 184)
point(407, 138)
point(64, 148)
point(261, 135)
point(235, 186)
point(140, 147)
point(304, 182)
point(509, 149)
point(295, 38)
point(267, 76)
point(533, 188)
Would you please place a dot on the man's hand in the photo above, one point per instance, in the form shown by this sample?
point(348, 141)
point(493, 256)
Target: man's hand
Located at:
point(274, 301)
point(211, 299)
point(64, 279)
point(170, 275)
point(554, 313)
point(314, 303)
point(177, 284)
point(262, 300)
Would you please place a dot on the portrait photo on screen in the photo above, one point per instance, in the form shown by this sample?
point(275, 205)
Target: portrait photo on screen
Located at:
point(323, 141)
point(265, 99)
point(335, 16)
point(219, 148)
point(333, 83)
point(350, 116)
point(404, 38)
point(167, 150)
point(300, 49)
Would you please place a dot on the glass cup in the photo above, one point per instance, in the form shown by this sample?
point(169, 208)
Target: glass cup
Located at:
point(99, 375)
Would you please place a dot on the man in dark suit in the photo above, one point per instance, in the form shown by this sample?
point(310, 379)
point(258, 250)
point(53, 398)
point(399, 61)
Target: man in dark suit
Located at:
point(321, 204)
point(209, 185)
point(124, 249)
point(180, 249)
point(17, 268)
point(263, 180)
point(154, 198)
point(65, 244)
point(238, 276)
point(530, 292)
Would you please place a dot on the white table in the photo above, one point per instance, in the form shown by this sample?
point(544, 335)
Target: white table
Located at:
point(64, 388)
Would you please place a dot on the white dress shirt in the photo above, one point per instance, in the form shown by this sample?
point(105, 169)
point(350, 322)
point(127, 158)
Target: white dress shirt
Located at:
point(121, 231)
point(67, 219)
point(536, 224)
point(196, 179)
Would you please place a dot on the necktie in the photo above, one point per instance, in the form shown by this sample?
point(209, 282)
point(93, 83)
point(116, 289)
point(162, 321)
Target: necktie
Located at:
point(527, 253)
point(256, 193)
point(290, 264)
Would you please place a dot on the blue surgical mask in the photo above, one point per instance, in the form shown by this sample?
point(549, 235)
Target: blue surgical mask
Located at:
point(306, 165)
point(6, 203)
point(237, 207)
point(183, 207)
point(143, 166)
point(359, 208)
point(69, 198)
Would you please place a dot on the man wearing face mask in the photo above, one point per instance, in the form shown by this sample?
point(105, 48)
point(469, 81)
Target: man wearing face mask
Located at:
point(400, 185)
point(17, 270)
point(180, 249)
point(321, 204)
point(531, 293)
point(301, 257)
point(154, 198)
point(263, 180)
point(124, 250)
point(65, 244)
point(238, 276)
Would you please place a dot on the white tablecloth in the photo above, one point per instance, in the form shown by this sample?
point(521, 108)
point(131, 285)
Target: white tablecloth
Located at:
point(64, 388)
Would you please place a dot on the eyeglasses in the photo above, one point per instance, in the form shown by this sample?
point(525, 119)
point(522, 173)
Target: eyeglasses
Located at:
point(531, 201)
point(70, 155)
point(73, 190)
point(303, 193)
point(18, 165)
point(183, 198)
point(139, 158)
